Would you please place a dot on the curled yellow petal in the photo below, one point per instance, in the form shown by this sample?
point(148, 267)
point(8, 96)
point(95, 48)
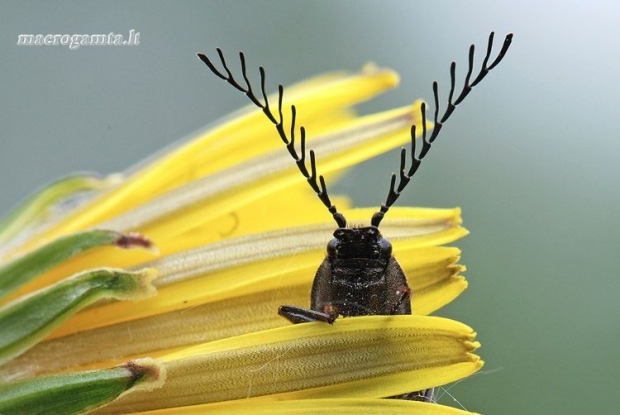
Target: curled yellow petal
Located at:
point(384, 356)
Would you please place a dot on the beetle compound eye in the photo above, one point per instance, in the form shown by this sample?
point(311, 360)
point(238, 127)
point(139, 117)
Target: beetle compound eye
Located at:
point(332, 247)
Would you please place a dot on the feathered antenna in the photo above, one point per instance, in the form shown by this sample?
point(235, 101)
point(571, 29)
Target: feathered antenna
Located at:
point(426, 142)
point(300, 159)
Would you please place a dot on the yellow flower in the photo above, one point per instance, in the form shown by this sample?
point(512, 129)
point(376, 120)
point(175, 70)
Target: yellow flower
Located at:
point(231, 232)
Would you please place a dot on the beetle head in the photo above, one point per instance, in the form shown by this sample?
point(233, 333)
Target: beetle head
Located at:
point(364, 242)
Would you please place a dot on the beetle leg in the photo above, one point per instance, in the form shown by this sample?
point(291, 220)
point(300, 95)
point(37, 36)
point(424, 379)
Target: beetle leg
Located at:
point(298, 315)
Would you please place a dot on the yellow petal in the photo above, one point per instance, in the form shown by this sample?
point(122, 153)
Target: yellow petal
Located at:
point(385, 355)
point(37, 208)
point(253, 263)
point(224, 147)
point(340, 406)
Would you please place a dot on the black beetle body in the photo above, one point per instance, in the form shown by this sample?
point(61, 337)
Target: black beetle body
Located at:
point(359, 277)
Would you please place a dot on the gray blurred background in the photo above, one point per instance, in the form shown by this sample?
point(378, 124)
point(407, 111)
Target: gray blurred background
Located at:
point(531, 157)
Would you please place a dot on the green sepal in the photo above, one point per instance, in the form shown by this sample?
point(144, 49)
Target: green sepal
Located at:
point(79, 392)
point(18, 272)
point(27, 320)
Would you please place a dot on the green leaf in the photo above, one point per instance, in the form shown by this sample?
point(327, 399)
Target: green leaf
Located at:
point(79, 392)
point(18, 272)
point(26, 321)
